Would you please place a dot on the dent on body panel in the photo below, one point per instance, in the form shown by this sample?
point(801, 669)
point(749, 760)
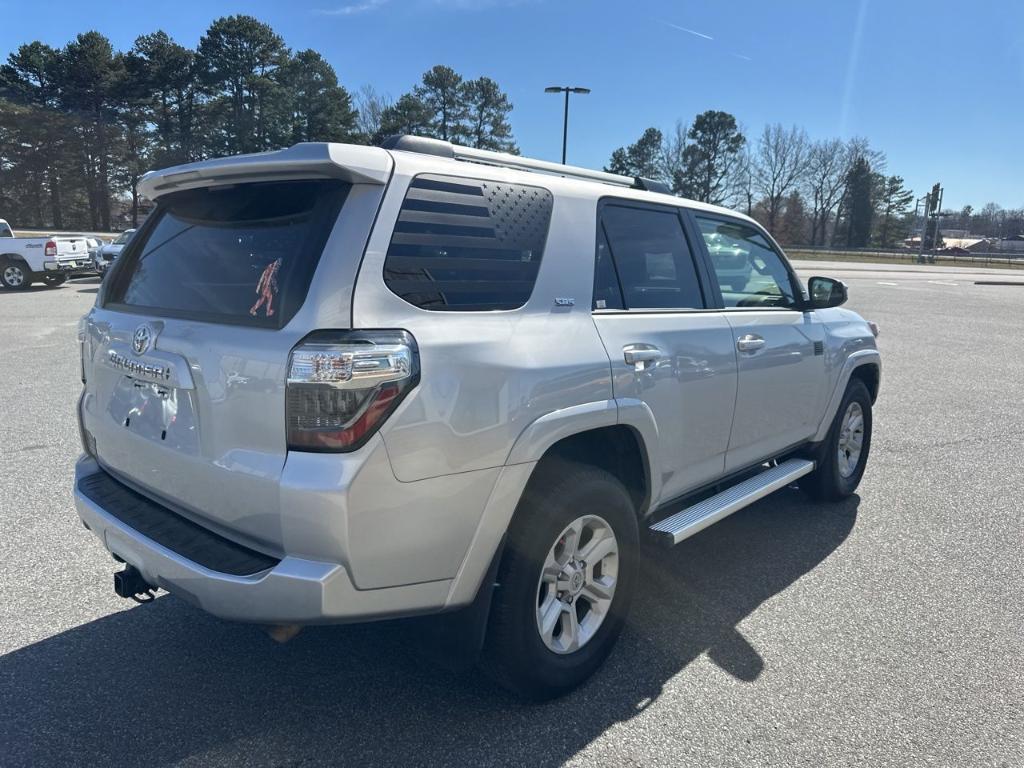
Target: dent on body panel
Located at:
point(846, 333)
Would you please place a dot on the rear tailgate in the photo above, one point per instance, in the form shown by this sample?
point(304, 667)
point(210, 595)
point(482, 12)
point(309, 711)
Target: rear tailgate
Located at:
point(72, 251)
point(188, 349)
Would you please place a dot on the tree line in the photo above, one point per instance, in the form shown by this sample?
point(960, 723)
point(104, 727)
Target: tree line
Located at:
point(80, 124)
point(826, 192)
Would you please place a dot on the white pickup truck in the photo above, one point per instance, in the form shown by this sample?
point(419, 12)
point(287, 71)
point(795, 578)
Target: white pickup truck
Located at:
point(50, 260)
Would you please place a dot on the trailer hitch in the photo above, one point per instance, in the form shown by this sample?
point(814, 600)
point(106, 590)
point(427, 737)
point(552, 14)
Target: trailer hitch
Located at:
point(130, 583)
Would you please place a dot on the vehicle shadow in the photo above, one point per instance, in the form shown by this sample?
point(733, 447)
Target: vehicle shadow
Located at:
point(158, 684)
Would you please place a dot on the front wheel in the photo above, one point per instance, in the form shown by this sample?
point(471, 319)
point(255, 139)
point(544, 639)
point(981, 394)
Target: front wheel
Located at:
point(565, 582)
point(15, 276)
point(844, 454)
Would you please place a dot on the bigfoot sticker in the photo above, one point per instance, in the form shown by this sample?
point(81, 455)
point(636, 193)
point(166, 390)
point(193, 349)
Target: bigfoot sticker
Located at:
point(266, 289)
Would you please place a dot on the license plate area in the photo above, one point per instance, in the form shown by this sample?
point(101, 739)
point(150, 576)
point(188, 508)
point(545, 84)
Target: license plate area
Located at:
point(156, 412)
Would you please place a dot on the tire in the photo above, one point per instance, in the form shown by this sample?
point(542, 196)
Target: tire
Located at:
point(14, 275)
point(515, 653)
point(834, 478)
point(53, 281)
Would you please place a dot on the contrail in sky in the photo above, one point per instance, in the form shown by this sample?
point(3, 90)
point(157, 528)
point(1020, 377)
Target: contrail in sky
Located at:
point(688, 31)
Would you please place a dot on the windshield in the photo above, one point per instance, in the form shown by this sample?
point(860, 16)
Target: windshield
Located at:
point(124, 237)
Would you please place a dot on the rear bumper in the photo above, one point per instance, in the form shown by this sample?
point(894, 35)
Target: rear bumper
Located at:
point(84, 266)
point(295, 590)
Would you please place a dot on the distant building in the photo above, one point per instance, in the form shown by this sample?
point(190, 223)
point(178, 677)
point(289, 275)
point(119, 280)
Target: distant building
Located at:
point(973, 244)
point(1013, 244)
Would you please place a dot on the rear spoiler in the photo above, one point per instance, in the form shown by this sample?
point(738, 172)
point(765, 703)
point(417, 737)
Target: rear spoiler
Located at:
point(348, 162)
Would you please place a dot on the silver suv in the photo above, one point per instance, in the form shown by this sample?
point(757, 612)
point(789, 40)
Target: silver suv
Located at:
point(341, 383)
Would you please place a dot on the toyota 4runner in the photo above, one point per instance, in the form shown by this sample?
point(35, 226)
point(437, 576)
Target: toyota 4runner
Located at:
point(341, 383)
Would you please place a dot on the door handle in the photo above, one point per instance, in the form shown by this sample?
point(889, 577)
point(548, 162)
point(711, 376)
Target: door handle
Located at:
point(749, 342)
point(638, 355)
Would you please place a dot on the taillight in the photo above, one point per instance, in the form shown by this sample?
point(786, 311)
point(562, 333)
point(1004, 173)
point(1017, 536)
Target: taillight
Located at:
point(50, 249)
point(342, 385)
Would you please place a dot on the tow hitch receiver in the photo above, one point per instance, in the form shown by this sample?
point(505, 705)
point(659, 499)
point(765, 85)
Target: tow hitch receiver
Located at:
point(129, 583)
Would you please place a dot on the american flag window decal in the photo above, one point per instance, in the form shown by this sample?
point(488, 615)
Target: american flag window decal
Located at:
point(467, 245)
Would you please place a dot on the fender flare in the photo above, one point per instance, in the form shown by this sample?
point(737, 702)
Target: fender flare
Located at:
point(534, 441)
point(859, 358)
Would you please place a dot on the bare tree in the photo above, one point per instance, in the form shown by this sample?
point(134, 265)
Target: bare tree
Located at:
point(741, 183)
point(672, 147)
point(824, 183)
point(371, 106)
point(780, 160)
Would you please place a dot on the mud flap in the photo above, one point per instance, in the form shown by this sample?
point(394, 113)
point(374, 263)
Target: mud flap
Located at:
point(454, 639)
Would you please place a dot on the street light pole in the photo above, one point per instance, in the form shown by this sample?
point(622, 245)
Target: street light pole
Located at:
point(567, 89)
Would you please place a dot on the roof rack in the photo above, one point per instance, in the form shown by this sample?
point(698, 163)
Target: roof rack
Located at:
point(428, 146)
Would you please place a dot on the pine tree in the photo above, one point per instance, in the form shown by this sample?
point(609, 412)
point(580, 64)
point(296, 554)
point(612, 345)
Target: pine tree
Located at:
point(710, 157)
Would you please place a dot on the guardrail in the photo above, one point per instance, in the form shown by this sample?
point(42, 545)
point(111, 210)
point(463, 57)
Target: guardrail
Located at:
point(844, 254)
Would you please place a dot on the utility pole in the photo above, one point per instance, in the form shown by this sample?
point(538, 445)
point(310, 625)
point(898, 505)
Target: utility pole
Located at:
point(932, 209)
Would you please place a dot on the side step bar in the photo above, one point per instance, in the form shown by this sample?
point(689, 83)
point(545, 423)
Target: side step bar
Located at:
point(691, 520)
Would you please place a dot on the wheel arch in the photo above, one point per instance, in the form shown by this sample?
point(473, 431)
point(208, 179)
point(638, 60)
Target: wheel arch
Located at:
point(617, 449)
point(557, 435)
point(620, 436)
point(864, 364)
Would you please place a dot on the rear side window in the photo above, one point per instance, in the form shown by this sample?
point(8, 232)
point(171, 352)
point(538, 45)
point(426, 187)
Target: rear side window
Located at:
point(462, 244)
point(652, 258)
point(243, 254)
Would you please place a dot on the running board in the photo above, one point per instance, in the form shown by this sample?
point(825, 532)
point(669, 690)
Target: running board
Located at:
point(686, 522)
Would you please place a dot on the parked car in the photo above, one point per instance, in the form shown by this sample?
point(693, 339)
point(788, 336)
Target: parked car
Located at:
point(50, 260)
point(733, 267)
point(105, 255)
point(341, 383)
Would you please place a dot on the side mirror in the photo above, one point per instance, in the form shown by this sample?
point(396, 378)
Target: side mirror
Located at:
point(825, 292)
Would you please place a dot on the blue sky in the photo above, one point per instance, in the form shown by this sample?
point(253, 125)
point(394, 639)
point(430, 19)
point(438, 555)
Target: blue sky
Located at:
point(937, 85)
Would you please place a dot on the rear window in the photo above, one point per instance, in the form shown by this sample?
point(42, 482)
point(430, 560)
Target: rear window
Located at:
point(242, 254)
point(462, 244)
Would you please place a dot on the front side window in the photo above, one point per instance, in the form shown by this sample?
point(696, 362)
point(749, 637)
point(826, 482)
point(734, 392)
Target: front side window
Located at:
point(467, 245)
point(749, 271)
point(652, 259)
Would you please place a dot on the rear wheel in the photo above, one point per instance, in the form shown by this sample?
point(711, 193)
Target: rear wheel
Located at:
point(844, 455)
point(15, 276)
point(55, 280)
point(566, 581)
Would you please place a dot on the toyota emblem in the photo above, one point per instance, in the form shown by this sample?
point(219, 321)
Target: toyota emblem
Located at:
point(142, 339)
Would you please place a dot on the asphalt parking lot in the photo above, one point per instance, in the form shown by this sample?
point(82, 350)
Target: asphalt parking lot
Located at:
point(885, 631)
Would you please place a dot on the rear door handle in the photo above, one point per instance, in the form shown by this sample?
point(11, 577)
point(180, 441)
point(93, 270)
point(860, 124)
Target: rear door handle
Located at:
point(749, 342)
point(638, 355)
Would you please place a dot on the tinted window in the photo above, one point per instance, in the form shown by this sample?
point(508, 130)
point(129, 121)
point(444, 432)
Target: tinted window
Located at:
point(241, 254)
point(607, 293)
point(749, 271)
point(654, 263)
point(461, 244)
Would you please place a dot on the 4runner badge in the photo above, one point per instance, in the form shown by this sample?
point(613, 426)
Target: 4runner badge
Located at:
point(142, 338)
